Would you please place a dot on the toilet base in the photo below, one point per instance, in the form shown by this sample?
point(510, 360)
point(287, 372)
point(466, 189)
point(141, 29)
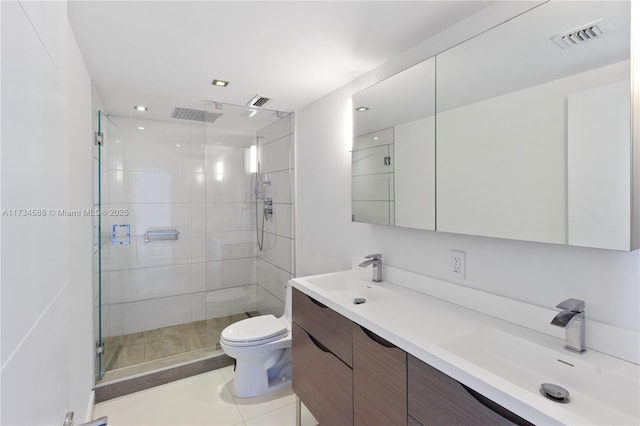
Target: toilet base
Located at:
point(252, 380)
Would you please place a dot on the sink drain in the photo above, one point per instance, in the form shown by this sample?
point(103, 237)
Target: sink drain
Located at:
point(359, 300)
point(554, 392)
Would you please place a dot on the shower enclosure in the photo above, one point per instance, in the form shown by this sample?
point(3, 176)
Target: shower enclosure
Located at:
point(194, 231)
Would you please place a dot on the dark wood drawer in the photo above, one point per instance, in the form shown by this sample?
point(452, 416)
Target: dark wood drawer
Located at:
point(380, 380)
point(325, 325)
point(321, 380)
point(437, 399)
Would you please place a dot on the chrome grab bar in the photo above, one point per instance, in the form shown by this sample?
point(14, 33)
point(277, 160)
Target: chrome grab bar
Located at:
point(161, 234)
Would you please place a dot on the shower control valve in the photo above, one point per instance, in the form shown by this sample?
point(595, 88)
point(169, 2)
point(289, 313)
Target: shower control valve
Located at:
point(268, 208)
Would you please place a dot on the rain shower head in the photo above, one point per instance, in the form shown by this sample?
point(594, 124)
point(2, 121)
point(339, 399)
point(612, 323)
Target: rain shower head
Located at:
point(195, 115)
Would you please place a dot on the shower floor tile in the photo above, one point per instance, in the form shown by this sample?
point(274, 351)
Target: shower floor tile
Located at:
point(163, 347)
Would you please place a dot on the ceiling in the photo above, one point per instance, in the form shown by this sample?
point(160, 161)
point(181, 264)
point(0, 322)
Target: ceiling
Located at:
point(165, 54)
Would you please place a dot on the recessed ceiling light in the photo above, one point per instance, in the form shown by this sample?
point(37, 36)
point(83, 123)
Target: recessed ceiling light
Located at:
point(376, 138)
point(140, 128)
point(117, 141)
point(141, 108)
point(362, 109)
point(178, 145)
point(220, 83)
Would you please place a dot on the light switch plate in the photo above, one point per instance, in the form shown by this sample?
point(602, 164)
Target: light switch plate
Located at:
point(456, 264)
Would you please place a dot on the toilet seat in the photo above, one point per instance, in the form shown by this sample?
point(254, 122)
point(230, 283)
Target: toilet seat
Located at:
point(254, 331)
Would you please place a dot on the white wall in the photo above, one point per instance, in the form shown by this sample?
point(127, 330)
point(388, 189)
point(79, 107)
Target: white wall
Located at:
point(536, 273)
point(81, 346)
point(46, 260)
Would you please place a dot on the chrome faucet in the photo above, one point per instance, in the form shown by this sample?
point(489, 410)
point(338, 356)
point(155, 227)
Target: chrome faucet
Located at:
point(572, 319)
point(376, 261)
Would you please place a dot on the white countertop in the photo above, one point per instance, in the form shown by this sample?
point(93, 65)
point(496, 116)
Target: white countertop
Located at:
point(425, 326)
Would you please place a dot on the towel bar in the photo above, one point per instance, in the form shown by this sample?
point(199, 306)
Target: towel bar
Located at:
point(161, 234)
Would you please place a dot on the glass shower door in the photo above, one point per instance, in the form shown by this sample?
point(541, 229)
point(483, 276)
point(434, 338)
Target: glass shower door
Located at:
point(108, 319)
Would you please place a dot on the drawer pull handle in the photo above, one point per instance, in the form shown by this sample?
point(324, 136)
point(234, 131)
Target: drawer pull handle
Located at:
point(496, 408)
point(379, 340)
point(317, 303)
point(319, 345)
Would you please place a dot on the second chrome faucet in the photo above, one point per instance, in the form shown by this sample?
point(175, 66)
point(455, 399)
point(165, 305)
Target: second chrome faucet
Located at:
point(572, 319)
point(376, 261)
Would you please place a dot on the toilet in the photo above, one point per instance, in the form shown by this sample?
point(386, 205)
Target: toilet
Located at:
point(261, 347)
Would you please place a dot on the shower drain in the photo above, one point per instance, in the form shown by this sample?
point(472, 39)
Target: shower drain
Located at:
point(554, 392)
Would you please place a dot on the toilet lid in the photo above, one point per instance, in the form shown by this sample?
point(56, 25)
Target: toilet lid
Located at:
point(261, 329)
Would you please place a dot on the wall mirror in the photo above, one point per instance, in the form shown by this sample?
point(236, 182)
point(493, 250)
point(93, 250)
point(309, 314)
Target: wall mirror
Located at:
point(393, 156)
point(532, 124)
point(533, 128)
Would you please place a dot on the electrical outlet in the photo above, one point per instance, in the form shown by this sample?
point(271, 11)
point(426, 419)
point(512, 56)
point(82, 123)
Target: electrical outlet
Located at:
point(456, 264)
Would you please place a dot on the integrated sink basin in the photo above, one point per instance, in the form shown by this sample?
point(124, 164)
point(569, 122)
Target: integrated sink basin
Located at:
point(345, 287)
point(601, 388)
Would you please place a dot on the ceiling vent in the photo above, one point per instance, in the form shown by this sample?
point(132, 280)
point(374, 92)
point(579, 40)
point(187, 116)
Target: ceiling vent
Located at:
point(195, 115)
point(598, 29)
point(258, 101)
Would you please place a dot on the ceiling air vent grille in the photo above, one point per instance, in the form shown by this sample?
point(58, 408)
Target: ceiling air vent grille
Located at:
point(583, 34)
point(195, 115)
point(258, 101)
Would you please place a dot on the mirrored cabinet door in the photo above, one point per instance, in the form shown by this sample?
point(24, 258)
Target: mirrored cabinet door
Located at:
point(372, 186)
point(533, 128)
point(397, 113)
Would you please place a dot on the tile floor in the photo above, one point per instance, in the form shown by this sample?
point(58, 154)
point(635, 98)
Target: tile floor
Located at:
point(153, 349)
point(205, 399)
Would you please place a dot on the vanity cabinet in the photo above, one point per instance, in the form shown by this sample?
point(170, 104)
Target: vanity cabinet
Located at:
point(437, 399)
point(325, 325)
point(321, 380)
point(348, 375)
point(322, 359)
point(379, 380)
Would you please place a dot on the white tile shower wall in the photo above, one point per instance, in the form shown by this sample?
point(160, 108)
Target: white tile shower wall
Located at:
point(229, 301)
point(269, 304)
point(155, 313)
point(281, 223)
point(277, 251)
point(273, 279)
point(230, 270)
point(46, 308)
point(540, 274)
point(275, 261)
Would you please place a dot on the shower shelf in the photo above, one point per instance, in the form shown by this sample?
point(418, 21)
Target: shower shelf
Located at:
point(161, 234)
